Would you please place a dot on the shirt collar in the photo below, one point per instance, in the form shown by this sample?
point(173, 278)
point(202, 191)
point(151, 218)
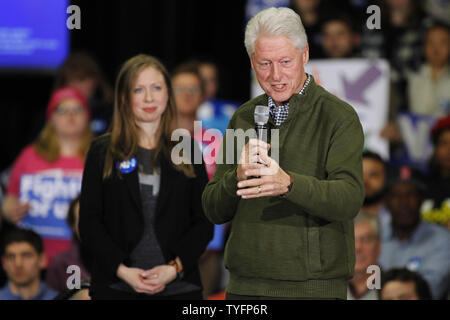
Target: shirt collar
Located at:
point(271, 104)
point(38, 296)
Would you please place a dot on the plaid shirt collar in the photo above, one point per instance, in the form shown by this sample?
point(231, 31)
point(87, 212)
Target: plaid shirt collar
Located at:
point(280, 114)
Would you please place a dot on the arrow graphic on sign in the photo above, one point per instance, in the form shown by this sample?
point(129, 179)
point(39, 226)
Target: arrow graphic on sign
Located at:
point(354, 90)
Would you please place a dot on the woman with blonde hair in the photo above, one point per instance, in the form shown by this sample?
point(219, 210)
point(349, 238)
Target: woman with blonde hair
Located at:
point(140, 211)
point(46, 176)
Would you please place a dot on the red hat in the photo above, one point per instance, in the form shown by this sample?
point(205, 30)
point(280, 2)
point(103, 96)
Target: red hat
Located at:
point(439, 126)
point(66, 93)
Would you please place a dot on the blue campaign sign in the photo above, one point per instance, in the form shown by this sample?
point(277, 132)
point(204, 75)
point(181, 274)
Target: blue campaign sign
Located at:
point(49, 196)
point(33, 34)
point(417, 145)
point(216, 114)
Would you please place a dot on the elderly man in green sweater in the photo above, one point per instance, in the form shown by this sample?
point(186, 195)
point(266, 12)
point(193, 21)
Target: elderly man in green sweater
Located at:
point(292, 229)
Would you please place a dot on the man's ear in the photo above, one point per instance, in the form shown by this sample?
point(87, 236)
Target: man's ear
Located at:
point(251, 62)
point(42, 260)
point(305, 54)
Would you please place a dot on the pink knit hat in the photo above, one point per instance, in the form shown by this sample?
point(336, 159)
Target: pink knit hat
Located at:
point(66, 93)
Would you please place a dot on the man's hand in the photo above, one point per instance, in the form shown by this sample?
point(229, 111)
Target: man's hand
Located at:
point(272, 181)
point(250, 158)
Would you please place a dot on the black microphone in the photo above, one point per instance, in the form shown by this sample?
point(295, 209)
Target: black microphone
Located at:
point(261, 119)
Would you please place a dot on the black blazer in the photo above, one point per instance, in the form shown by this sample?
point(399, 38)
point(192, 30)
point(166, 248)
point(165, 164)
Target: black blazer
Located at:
point(111, 218)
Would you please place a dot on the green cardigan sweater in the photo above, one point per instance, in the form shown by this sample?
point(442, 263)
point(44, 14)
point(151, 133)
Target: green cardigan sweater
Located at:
point(301, 245)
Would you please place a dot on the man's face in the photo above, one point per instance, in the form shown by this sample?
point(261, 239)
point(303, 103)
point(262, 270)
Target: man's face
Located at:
point(22, 263)
point(437, 47)
point(399, 290)
point(279, 67)
point(404, 201)
point(442, 150)
point(367, 246)
point(337, 40)
point(374, 177)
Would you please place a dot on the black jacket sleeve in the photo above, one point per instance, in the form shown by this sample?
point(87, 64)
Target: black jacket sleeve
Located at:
point(93, 233)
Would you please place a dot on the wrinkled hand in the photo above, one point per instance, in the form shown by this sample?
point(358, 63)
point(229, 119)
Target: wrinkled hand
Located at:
point(13, 210)
point(159, 276)
point(255, 162)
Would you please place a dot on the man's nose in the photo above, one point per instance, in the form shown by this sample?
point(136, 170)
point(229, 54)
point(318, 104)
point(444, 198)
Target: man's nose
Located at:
point(18, 261)
point(276, 72)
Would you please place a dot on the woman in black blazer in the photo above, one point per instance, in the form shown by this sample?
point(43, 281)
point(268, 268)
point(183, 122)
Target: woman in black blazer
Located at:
point(141, 216)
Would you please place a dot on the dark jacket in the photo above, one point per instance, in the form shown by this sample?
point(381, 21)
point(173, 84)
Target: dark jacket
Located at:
point(111, 217)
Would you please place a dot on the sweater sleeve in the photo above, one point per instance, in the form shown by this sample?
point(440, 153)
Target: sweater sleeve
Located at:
point(219, 198)
point(340, 196)
point(93, 233)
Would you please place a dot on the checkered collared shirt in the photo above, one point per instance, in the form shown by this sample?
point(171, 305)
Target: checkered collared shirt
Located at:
point(280, 114)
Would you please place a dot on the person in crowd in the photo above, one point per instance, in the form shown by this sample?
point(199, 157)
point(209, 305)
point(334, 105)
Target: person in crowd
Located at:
point(140, 208)
point(81, 71)
point(374, 171)
point(23, 259)
point(367, 250)
point(410, 242)
point(213, 112)
point(428, 89)
point(339, 38)
point(436, 207)
point(55, 160)
point(209, 72)
point(189, 93)
point(310, 12)
point(438, 10)
point(278, 206)
point(399, 40)
point(5, 228)
point(56, 276)
point(403, 284)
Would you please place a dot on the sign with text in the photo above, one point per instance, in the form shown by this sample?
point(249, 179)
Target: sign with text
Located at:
point(49, 195)
point(362, 83)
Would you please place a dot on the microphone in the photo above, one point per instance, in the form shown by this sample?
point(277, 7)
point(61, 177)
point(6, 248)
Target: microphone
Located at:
point(261, 119)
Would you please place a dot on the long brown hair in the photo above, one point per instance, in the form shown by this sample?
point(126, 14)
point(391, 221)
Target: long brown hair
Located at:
point(47, 144)
point(124, 131)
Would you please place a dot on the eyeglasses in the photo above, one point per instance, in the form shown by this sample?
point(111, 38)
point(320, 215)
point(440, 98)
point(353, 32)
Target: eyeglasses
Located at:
point(190, 90)
point(366, 239)
point(62, 111)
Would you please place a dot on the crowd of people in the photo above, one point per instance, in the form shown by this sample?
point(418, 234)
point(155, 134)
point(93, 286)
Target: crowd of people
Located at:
point(134, 224)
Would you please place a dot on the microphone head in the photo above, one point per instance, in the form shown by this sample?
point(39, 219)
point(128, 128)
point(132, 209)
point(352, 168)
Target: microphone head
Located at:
point(261, 115)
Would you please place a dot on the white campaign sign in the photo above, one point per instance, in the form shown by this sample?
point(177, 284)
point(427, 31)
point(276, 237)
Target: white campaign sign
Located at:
point(362, 83)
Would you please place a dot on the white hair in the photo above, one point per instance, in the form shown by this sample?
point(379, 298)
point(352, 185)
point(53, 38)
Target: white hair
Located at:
point(363, 217)
point(275, 22)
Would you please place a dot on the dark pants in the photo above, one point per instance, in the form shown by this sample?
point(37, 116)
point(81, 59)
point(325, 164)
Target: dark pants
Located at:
point(112, 294)
point(230, 296)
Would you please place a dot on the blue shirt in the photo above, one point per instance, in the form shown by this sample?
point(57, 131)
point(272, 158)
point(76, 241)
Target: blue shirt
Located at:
point(43, 294)
point(426, 251)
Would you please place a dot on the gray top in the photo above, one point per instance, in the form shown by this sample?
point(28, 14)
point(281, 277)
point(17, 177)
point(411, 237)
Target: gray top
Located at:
point(148, 254)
